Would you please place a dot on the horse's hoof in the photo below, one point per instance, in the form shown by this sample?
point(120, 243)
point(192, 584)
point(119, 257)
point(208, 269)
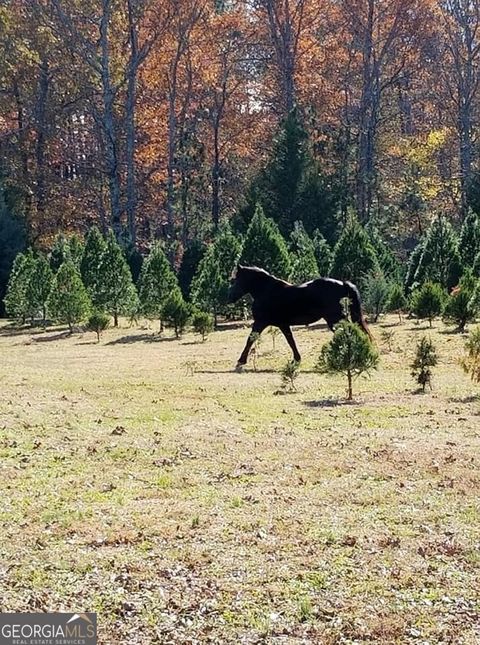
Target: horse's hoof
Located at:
point(239, 367)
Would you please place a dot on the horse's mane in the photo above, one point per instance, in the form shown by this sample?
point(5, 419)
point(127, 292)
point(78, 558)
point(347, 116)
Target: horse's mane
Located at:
point(261, 273)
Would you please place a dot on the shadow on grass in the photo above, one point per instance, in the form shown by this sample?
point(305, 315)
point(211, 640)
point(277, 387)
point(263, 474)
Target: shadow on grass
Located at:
point(52, 337)
point(15, 330)
point(141, 338)
point(453, 332)
point(471, 398)
point(330, 403)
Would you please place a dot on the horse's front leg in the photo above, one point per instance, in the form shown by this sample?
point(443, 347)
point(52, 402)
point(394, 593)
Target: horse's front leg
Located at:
point(257, 329)
point(287, 332)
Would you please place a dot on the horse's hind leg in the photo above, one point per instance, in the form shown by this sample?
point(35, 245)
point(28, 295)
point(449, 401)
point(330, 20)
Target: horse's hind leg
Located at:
point(287, 332)
point(257, 329)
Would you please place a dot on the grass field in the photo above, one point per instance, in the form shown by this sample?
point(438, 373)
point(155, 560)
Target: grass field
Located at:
point(142, 478)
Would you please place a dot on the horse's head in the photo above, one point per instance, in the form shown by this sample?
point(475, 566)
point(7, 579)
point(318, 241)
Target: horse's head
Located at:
point(238, 284)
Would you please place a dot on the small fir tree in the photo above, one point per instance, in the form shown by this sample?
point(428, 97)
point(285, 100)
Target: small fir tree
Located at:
point(397, 300)
point(191, 259)
point(156, 283)
point(469, 241)
point(375, 294)
point(176, 312)
point(461, 307)
point(427, 301)
point(98, 322)
point(116, 292)
point(353, 255)
point(39, 287)
point(202, 323)
point(290, 373)
point(69, 301)
point(304, 263)
point(323, 253)
point(93, 252)
point(265, 247)
point(209, 286)
point(440, 260)
point(16, 302)
point(425, 359)
point(471, 361)
point(350, 352)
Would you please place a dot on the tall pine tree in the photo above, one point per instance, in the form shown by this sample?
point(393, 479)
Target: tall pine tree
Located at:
point(265, 247)
point(116, 292)
point(39, 287)
point(90, 268)
point(16, 301)
point(208, 285)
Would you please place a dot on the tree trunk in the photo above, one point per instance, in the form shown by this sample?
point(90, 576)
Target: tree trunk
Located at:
point(350, 392)
point(115, 319)
point(109, 130)
point(41, 130)
point(216, 177)
point(131, 203)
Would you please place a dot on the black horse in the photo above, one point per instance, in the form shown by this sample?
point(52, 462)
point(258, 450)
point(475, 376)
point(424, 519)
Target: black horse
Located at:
point(280, 304)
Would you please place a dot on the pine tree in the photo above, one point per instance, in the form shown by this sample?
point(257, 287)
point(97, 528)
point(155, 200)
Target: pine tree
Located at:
point(375, 293)
point(428, 301)
point(471, 362)
point(76, 247)
point(39, 287)
point(208, 290)
point(350, 352)
point(389, 264)
point(440, 261)
point(157, 281)
point(202, 323)
point(16, 302)
point(323, 253)
point(353, 255)
point(461, 307)
point(317, 203)
point(68, 301)
point(98, 322)
point(12, 231)
point(425, 358)
point(227, 248)
point(265, 247)
point(282, 178)
point(60, 252)
point(397, 301)
point(413, 262)
point(90, 270)
point(191, 259)
point(176, 312)
point(304, 263)
point(116, 292)
point(469, 241)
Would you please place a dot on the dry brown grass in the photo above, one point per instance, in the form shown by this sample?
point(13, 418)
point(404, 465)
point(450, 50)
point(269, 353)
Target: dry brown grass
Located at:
point(186, 503)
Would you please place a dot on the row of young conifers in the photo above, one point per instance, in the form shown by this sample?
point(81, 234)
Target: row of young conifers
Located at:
point(80, 277)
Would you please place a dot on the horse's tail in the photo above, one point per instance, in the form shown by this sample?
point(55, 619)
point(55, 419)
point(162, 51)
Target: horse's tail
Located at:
point(356, 307)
